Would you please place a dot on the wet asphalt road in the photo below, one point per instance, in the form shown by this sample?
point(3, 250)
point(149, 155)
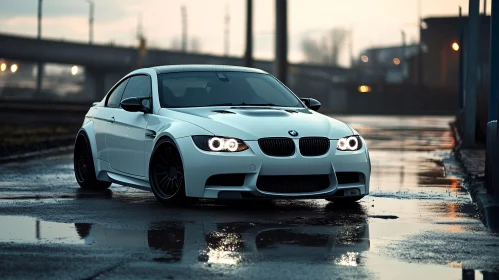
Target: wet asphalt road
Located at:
point(418, 223)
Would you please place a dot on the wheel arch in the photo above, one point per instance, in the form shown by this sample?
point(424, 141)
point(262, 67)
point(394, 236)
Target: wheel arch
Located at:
point(88, 131)
point(175, 130)
point(159, 138)
point(168, 136)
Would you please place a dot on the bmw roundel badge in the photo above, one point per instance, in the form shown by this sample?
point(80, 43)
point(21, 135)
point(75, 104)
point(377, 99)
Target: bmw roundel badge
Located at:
point(293, 133)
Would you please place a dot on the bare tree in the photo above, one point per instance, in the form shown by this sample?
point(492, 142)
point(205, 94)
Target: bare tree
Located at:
point(329, 50)
point(311, 50)
point(338, 37)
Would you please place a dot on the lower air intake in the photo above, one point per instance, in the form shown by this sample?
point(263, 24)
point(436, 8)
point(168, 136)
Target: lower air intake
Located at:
point(293, 183)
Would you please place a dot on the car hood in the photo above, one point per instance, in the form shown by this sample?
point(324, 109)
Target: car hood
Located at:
point(252, 123)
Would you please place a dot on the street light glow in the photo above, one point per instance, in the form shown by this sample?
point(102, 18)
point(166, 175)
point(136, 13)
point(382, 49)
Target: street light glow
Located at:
point(74, 70)
point(13, 68)
point(364, 88)
point(455, 46)
point(364, 58)
point(3, 66)
point(396, 61)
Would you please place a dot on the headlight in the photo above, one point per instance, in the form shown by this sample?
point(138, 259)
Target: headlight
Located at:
point(351, 143)
point(219, 144)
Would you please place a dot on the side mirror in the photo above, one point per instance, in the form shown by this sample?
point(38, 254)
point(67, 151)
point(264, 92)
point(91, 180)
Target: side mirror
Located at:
point(133, 104)
point(311, 103)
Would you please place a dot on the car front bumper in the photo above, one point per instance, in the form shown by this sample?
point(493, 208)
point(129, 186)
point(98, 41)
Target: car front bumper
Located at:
point(200, 165)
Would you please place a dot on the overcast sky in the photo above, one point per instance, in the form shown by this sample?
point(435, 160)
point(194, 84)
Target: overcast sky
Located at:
point(373, 22)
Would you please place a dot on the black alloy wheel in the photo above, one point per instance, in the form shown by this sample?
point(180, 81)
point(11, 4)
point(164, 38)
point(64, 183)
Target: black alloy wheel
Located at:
point(166, 173)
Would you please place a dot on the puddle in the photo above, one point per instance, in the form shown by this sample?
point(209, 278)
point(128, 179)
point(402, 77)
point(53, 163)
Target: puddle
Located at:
point(414, 163)
point(19, 229)
point(383, 268)
point(223, 243)
point(244, 243)
point(6, 201)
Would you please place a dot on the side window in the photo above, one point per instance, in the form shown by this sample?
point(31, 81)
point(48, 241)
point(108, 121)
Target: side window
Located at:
point(140, 87)
point(114, 98)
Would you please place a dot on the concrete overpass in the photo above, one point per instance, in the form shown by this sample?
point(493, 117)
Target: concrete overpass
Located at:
point(105, 64)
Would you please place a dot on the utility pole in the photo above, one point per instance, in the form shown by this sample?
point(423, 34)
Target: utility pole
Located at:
point(227, 30)
point(142, 49)
point(140, 28)
point(460, 102)
point(39, 36)
point(91, 22)
point(184, 28)
point(350, 45)
point(492, 156)
point(402, 55)
point(420, 49)
point(471, 77)
point(39, 66)
point(494, 62)
point(248, 55)
point(482, 46)
point(281, 40)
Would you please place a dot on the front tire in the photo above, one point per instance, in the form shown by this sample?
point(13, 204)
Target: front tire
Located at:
point(166, 174)
point(84, 166)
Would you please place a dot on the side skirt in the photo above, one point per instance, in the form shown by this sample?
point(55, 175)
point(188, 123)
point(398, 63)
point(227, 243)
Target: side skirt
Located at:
point(124, 180)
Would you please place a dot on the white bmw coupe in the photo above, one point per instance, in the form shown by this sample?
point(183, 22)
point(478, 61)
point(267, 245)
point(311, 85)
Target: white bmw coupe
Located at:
point(218, 132)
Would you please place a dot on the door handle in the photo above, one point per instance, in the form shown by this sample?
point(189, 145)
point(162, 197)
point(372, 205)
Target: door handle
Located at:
point(112, 119)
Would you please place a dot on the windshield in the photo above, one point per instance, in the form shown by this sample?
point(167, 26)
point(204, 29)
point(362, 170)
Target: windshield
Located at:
point(200, 89)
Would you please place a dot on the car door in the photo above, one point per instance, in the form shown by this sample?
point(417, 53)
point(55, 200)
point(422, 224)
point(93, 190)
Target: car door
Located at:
point(125, 135)
point(103, 115)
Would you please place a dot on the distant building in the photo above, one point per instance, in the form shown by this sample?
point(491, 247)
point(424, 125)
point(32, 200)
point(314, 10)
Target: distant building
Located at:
point(437, 63)
point(440, 50)
point(386, 64)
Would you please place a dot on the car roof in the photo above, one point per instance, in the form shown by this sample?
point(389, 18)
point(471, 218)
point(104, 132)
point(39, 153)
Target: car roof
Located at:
point(204, 68)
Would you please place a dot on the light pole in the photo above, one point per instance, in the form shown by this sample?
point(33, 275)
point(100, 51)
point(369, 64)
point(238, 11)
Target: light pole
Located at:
point(183, 11)
point(471, 78)
point(494, 62)
point(281, 40)
point(90, 21)
point(39, 36)
point(248, 55)
point(39, 66)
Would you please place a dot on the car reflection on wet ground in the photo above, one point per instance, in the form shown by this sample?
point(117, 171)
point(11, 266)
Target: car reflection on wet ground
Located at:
point(417, 223)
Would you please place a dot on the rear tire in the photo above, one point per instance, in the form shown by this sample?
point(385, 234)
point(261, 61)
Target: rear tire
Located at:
point(166, 174)
point(346, 200)
point(84, 166)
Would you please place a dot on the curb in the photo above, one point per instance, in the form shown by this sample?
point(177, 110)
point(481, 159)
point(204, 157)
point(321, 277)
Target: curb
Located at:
point(486, 204)
point(37, 154)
